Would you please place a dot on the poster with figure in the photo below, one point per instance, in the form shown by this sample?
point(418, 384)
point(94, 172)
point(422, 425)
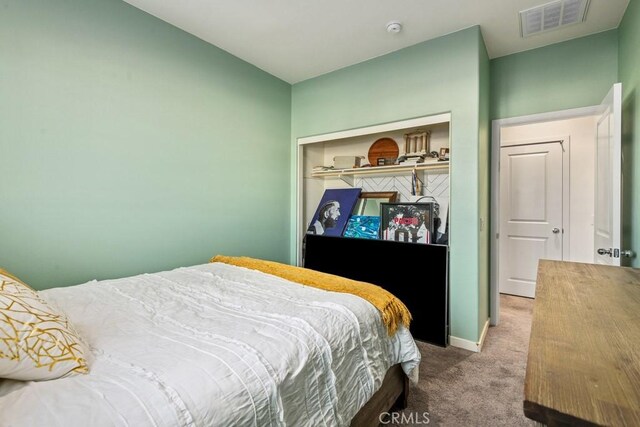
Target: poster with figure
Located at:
point(407, 222)
point(333, 211)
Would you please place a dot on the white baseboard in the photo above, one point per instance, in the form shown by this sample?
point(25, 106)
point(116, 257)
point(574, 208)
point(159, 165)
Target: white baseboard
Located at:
point(470, 345)
point(462, 343)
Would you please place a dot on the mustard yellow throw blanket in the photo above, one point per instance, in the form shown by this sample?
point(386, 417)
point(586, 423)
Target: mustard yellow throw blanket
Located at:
point(393, 311)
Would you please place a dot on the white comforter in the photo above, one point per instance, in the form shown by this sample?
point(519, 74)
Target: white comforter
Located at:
point(213, 345)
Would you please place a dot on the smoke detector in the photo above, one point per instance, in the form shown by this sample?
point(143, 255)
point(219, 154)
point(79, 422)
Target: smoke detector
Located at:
point(553, 15)
point(394, 27)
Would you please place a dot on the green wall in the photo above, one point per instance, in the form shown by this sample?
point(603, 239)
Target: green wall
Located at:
point(440, 75)
point(579, 73)
point(484, 174)
point(629, 68)
point(575, 73)
point(129, 146)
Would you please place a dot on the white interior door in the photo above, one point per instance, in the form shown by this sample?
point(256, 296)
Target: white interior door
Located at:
point(608, 179)
point(530, 213)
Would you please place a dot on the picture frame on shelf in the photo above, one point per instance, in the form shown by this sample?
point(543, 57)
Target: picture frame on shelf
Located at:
point(369, 202)
point(363, 227)
point(444, 154)
point(333, 211)
point(364, 222)
point(407, 222)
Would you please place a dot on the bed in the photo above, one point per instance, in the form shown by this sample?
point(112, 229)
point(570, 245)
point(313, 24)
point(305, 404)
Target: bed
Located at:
point(217, 344)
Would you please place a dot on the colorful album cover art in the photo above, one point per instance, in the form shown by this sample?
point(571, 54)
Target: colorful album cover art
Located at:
point(363, 227)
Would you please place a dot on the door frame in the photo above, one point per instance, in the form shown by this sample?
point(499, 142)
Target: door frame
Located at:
point(496, 126)
point(612, 106)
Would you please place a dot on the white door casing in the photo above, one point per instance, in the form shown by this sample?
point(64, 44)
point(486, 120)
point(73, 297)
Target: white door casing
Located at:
point(608, 218)
point(531, 213)
point(496, 143)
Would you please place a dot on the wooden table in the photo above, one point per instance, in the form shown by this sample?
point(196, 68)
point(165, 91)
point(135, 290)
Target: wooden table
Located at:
point(583, 366)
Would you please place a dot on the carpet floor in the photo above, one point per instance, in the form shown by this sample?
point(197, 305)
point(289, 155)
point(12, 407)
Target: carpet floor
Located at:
point(461, 388)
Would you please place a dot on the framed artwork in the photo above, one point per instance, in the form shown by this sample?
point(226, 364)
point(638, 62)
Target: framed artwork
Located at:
point(330, 218)
point(444, 154)
point(369, 202)
point(407, 222)
point(363, 227)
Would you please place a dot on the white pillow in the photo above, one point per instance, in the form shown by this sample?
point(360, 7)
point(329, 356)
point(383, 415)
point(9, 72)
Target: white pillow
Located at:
point(36, 341)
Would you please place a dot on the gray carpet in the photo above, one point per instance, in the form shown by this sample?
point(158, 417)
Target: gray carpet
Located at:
point(461, 388)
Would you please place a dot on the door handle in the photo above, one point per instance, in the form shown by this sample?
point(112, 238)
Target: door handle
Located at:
point(603, 251)
point(555, 230)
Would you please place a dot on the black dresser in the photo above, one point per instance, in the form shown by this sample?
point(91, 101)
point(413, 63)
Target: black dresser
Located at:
point(416, 273)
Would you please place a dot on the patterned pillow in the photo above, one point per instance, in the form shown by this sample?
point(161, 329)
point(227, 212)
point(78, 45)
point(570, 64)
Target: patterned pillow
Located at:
point(36, 341)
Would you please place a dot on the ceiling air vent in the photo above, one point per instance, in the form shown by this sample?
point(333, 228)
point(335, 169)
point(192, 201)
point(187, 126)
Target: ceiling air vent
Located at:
point(552, 15)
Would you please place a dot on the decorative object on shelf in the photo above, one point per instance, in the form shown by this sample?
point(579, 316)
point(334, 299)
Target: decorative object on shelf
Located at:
point(384, 148)
point(387, 161)
point(333, 211)
point(347, 162)
point(407, 222)
point(416, 184)
point(369, 202)
point(416, 147)
point(363, 227)
point(444, 154)
point(406, 161)
point(417, 143)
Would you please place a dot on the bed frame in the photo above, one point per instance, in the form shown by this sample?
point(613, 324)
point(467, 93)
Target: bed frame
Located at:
point(392, 395)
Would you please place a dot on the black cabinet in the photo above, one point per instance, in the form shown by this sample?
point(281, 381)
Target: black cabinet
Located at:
point(415, 273)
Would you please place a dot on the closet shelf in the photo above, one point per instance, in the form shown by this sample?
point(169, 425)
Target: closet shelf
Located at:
point(380, 170)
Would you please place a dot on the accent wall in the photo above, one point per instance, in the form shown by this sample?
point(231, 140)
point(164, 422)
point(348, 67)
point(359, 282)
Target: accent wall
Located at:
point(571, 74)
point(130, 146)
point(446, 74)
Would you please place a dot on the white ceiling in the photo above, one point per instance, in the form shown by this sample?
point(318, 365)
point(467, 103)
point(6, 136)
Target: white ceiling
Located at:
point(299, 39)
